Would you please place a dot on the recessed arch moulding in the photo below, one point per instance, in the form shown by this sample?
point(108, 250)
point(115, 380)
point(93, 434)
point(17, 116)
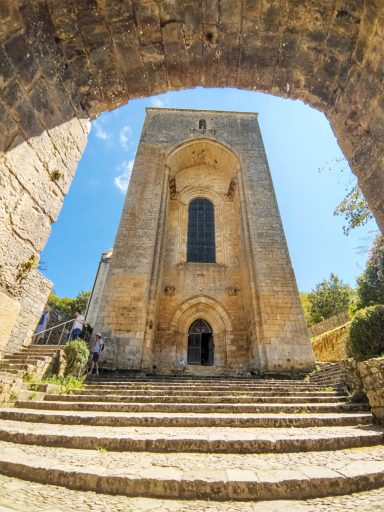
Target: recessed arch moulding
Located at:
point(62, 63)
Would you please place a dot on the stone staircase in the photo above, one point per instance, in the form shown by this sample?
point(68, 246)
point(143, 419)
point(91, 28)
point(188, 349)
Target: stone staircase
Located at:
point(329, 375)
point(35, 359)
point(177, 438)
point(33, 355)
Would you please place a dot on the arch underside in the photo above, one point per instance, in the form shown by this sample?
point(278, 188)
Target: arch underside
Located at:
point(65, 62)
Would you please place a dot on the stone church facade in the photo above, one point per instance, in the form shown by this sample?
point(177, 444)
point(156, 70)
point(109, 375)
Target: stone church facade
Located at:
point(200, 270)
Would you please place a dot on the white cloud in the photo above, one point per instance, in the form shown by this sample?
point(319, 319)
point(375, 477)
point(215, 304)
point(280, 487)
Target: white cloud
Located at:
point(122, 180)
point(157, 102)
point(125, 134)
point(100, 132)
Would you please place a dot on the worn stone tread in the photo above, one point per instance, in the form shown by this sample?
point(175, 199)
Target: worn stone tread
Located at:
point(186, 419)
point(173, 398)
point(197, 408)
point(19, 495)
point(205, 440)
point(205, 393)
point(199, 476)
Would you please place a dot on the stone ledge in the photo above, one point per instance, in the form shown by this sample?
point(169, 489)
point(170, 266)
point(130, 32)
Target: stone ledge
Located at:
point(199, 476)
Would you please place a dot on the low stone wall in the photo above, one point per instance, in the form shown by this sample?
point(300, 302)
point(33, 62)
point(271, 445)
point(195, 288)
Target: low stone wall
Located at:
point(329, 324)
point(11, 385)
point(331, 346)
point(372, 376)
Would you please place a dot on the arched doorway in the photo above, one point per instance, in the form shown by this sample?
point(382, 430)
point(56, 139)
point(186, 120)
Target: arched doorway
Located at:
point(200, 343)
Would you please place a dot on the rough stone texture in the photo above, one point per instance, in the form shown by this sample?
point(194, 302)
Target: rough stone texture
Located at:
point(352, 378)
point(248, 296)
point(35, 291)
point(35, 174)
point(10, 386)
point(18, 496)
point(10, 309)
point(61, 62)
point(372, 376)
point(331, 346)
point(97, 289)
point(329, 324)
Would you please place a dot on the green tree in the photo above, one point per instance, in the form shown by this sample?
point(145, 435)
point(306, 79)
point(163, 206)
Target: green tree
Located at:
point(370, 285)
point(366, 333)
point(328, 298)
point(305, 304)
point(67, 305)
point(354, 208)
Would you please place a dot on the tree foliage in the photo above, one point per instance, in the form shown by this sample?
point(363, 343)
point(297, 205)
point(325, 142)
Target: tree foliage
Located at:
point(329, 297)
point(305, 305)
point(354, 208)
point(370, 285)
point(366, 333)
point(67, 305)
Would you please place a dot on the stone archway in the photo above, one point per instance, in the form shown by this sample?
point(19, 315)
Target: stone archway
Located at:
point(209, 310)
point(62, 63)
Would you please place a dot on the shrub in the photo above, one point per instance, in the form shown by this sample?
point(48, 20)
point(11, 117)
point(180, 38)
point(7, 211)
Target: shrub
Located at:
point(366, 333)
point(76, 354)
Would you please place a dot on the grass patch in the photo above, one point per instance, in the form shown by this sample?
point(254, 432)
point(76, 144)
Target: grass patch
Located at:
point(66, 383)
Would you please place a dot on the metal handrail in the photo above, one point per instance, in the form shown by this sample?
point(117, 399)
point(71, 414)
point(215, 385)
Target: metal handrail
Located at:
point(51, 329)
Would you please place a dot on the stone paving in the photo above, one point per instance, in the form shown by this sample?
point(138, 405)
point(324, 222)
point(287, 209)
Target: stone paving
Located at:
point(181, 455)
point(195, 475)
point(219, 439)
point(20, 496)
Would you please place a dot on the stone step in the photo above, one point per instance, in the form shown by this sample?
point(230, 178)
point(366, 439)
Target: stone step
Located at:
point(128, 391)
point(158, 419)
point(229, 399)
point(18, 360)
point(192, 408)
point(199, 440)
point(193, 379)
point(13, 366)
point(13, 371)
point(192, 387)
point(40, 349)
point(199, 475)
point(20, 495)
point(326, 373)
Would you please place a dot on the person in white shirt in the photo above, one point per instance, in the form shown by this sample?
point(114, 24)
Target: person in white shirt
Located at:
point(77, 325)
point(98, 347)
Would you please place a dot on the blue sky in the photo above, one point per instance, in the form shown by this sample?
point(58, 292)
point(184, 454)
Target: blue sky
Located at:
point(298, 140)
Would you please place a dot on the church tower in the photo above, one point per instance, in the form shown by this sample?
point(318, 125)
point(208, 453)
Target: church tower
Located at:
point(200, 269)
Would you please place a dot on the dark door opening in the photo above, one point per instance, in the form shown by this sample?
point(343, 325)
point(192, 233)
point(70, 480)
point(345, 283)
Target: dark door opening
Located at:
point(200, 343)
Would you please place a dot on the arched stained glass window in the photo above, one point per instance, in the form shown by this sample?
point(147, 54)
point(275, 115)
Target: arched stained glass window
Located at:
point(201, 232)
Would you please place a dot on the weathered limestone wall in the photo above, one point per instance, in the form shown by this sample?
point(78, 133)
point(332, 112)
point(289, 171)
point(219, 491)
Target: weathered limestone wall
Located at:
point(331, 346)
point(372, 376)
point(152, 295)
point(98, 287)
point(35, 293)
point(43, 134)
point(30, 202)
